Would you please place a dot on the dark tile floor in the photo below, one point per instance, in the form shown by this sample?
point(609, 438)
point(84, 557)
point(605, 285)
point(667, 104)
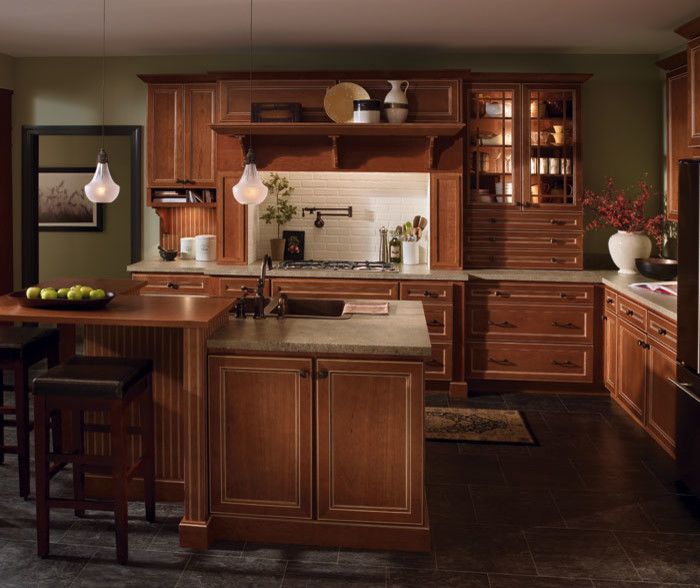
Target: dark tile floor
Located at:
point(592, 506)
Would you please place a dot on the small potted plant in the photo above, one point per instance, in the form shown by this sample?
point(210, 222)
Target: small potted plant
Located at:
point(614, 207)
point(280, 212)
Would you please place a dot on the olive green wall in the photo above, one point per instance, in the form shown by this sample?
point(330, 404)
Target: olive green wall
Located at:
point(622, 108)
point(7, 72)
point(87, 254)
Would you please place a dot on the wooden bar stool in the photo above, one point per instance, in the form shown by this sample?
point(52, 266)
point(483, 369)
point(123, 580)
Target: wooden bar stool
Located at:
point(110, 385)
point(21, 348)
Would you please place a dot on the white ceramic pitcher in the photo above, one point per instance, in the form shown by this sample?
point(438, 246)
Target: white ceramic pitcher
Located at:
point(396, 102)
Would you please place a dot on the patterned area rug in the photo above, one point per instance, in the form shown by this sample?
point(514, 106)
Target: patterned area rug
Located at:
point(485, 425)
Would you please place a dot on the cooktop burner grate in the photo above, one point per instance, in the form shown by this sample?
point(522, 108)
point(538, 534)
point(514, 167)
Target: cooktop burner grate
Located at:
point(376, 266)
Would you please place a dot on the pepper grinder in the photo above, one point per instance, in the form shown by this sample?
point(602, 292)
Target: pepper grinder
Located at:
point(383, 245)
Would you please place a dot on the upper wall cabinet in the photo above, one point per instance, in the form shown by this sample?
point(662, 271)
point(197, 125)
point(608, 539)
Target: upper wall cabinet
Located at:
point(181, 143)
point(676, 134)
point(694, 92)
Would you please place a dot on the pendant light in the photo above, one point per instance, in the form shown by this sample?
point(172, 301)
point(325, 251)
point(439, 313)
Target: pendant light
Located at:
point(250, 188)
point(102, 189)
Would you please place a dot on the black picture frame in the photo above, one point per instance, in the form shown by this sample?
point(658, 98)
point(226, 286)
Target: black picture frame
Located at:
point(97, 223)
point(296, 238)
point(30, 166)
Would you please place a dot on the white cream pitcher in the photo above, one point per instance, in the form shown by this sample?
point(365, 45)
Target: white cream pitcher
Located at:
point(396, 102)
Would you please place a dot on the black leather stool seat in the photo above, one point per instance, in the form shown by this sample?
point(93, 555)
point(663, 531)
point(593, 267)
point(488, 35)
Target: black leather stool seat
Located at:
point(17, 343)
point(105, 377)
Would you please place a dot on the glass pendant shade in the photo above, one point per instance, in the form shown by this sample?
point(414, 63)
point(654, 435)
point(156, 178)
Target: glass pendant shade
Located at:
point(250, 188)
point(102, 189)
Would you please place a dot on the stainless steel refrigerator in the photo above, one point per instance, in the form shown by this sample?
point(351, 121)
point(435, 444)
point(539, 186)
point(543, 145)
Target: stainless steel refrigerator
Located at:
point(688, 372)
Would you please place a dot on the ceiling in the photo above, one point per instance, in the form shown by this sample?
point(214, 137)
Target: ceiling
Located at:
point(167, 27)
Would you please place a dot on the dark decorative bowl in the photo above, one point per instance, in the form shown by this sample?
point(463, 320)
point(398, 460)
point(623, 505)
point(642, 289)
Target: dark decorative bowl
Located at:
point(62, 303)
point(167, 254)
point(657, 268)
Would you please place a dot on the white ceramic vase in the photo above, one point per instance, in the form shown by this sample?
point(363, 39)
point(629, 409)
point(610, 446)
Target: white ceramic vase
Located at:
point(396, 102)
point(625, 247)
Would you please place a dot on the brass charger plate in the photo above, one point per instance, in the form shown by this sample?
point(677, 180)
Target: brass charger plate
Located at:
point(338, 101)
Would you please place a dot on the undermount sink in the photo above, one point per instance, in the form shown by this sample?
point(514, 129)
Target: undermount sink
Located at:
point(310, 308)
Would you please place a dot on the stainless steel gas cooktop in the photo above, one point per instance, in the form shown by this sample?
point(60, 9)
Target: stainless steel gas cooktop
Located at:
point(372, 266)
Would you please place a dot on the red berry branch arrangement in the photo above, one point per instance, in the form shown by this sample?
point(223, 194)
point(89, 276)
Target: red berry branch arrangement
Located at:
point(614, 207)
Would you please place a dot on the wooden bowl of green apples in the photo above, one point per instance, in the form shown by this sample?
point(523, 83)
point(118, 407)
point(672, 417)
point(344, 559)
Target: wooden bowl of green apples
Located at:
point(77, 297)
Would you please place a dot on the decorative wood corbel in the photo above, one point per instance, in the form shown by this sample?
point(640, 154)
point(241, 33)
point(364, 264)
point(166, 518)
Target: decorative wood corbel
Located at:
point(431, 151)
point(164, 218)
point(334, 150)
point(243, 146)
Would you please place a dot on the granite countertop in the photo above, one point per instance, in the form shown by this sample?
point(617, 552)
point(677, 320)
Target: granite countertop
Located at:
point(401, 333)
point(663, 304)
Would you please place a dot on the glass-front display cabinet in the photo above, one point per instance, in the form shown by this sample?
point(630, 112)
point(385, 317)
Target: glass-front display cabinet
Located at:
point(492, 145)
point(551, 147)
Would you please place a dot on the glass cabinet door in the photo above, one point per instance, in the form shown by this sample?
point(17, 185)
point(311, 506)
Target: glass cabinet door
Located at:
point(490, 152)
point(551, 147)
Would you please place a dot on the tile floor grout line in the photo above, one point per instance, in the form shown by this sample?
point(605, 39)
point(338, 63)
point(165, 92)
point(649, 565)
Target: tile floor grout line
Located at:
point(183, 570)
point(471, 501)
point(284, 573)
point(529, 550)
point(627, 555)
point(556, 506)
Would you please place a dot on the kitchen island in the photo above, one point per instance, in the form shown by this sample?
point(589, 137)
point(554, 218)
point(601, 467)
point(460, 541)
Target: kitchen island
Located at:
point(316, 430)
point(173, 332)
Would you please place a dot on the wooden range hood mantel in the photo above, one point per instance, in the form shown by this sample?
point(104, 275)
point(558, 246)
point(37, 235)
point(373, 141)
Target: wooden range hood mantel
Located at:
point(335, 133)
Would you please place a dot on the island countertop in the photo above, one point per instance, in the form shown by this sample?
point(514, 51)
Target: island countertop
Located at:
point(401, 333)
point(127, 311)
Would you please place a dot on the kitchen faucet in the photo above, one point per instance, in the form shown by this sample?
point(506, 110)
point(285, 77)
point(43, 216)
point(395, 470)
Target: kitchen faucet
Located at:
point(259, 311)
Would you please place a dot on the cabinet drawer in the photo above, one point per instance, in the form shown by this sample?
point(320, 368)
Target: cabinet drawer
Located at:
point(175, 284)
point(499, 221)
point(427, 291)
point(439, 365)
point(497, 258)
point(233, 287)
point(553, 363)
point(632, 312)
point(610, 301)
point(662, 330)
point(515, 241)
point(573, 325)
point(439, 320)
point(530, 292)
point(342, 289)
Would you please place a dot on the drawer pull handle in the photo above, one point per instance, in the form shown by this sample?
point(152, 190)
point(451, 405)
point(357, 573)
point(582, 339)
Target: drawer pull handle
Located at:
point(492, 220)
point(662, 331)
point(502, 324)
point(304, 373)
point(172, 285)
point(430, 294)
point(643, 344)
point(434, 363)
point(564, 364)
point(501, 361)
point(322, 374)
point(502, 294)
point(435, 323)
point(629, 312)
point(557, 241)
point(557, 221)
point(609, 301)
point(564, 325)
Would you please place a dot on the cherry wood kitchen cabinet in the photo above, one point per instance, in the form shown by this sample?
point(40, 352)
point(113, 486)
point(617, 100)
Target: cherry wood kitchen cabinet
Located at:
point(177, 284)
point(661, 395)
point(369, 460)
point(446, 220)
point(180, 142)
point(261, 434)
point(231, 222)
point(343, 289)
point(694, 92)
point(610, 351)
point(632, 369)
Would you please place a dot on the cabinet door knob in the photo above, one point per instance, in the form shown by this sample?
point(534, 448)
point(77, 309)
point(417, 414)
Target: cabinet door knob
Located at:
point(172, 285)
point(430, 294)
point(322, 374)
point(629, 312)
point(304, 373)
point(662, 331)
point(609, 301)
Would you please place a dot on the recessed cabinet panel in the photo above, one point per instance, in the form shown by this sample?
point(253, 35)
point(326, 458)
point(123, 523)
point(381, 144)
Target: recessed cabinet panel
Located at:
point(631, 368)
point(199, 139)
point(446, 220)
point(261, 435)
point(232, 222)
point(677, 125)
point(370, 441)
point(164, 135)
point(661, 396)
point(610, 352)
point(694, 94)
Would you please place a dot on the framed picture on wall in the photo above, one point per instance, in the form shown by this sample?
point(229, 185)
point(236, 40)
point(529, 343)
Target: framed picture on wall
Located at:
point(62, 204)
point(293, 245)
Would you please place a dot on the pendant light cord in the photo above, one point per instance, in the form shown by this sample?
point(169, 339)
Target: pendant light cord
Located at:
point(250, 72)
point(104, 51)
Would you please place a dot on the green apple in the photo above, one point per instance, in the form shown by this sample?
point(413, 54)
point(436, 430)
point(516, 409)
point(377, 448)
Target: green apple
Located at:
point(74, 294)
point(98, 294)
point(85, 291)
point(48, 294)
point(62, 292)
point(34, 292)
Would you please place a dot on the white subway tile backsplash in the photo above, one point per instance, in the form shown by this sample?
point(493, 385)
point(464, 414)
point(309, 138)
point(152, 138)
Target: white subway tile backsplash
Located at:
point(378, 199)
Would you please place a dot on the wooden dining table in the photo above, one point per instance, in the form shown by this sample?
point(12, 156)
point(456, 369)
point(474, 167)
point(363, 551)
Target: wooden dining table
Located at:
point(172, 331)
